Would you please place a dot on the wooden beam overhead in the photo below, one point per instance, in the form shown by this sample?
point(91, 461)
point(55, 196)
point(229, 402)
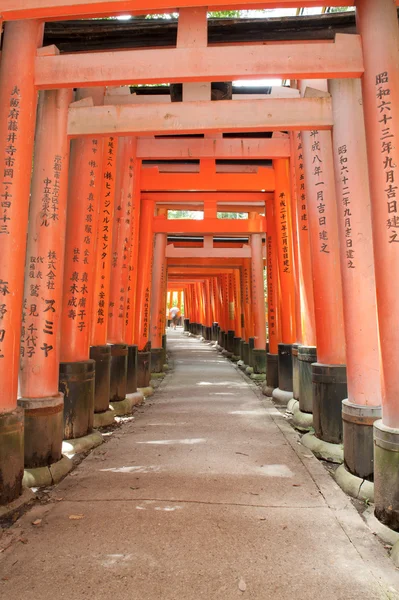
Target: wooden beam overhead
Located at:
point(152, 180)
point(201, 197)
point(199, 117)
point(217, 148)
point(210, 226)
point(59, 9)
point(206, 253)
point(297, 60)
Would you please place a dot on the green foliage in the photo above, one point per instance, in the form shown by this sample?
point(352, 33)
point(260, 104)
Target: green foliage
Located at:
point(339, 9)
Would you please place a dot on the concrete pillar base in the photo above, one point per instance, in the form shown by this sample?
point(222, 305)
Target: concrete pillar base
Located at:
point(267, 390)
point(358, 488)
point(258, 377)
point(208, 334)
point(301, 421)
point(146, 391)
point(126, 406)
point(249, 370)
point(259, 360)
point(272, 370)
point(82, 444)
point(329, 389)
point(186, 324)
point(77, 384)
point(306, 356)
point(295, 371)
point(230, 341)
point(281, 397)
point(131, 382)
point(46, 476)
point(237, 347)
point(285, 379)
point(326, 451)
point(119, 359)
point(11, 511)
point(143, 369)
point(102, 356)
point(157, 359)
point(104, 419)
point(387, 535)
point(43, 431)
point(214, 331)
point(358, 440)
point(386, 474)
point(11, 455)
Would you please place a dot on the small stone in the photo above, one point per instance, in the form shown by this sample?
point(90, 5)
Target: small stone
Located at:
point(37, 522)
point(242, 586)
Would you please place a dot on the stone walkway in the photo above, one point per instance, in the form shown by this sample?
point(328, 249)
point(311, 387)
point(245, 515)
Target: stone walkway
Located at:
point(205, 494)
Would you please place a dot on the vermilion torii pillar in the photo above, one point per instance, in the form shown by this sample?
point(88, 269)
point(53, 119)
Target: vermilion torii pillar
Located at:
point(40, 339)
point(248, 316)
point(363, 405)
point(282, 208)
point(329, 373)
point(17, 125)
point(143, 302)
point(258, 301)
point(121, 240)
point(237, 313)
point(100, 351)
point(77, 370)
point(307, 350)
point(157, 300)
point(273, 298)
point(378, 26)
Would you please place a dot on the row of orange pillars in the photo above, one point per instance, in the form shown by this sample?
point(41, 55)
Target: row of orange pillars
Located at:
point(89, 301)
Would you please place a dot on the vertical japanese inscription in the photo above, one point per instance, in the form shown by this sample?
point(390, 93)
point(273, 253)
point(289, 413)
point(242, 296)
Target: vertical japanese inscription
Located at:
point(303, 214)
point(320, 186)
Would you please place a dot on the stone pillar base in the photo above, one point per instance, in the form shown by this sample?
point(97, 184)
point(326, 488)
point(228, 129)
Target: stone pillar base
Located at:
point(259, 360)
point(356, 487)
point(357, 424)
point(306, 356)
point(11, 455)
point(44, 430)
point(45, 476)
point(77, 384)
point(285, 379)
point(104, 419)
point(146, 391)
point(82, 444)
point(157, 360)
point(281, 397)
point(208, 334)
point(301, 421)
point(12, 510)
point(119, 358)
point(126, 406)
point(215, 331)
point(329, 389)
point(245, 352)
point(186, 325)
point(102, 356)
point(386, 474)
point(230, 341)
point(330, 452)
point(143, 369)
point(131, 381)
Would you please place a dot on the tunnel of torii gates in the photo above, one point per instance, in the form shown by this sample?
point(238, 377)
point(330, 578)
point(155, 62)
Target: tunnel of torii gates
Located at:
point(88, 253)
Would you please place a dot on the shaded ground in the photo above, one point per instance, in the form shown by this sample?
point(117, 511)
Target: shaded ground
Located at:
point(206, 494)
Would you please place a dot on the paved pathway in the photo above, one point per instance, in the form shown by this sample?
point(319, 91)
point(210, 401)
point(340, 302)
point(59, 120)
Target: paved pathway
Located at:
point(206, 494)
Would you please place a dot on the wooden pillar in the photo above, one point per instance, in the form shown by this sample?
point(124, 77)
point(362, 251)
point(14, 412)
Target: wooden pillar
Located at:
point(77, 371)
point(157, 304)
point(378, 26)
point(144, 293)
point(40, 339)
point(99, 350)
point(17, 125)
point(329, 373)
point(273, 298)
point(307, 350)
point(258, 303)
point(208, 311)
point(283, 220)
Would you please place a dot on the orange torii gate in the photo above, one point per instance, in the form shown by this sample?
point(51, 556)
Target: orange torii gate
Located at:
point(331, 249)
